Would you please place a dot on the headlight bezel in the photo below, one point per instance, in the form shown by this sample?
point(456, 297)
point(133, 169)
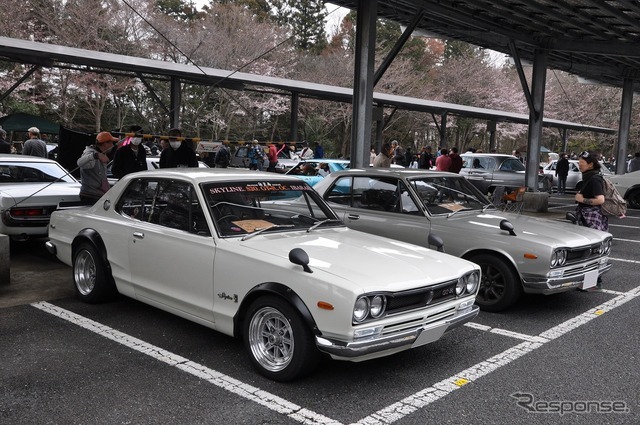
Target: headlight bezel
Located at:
point(559, 257)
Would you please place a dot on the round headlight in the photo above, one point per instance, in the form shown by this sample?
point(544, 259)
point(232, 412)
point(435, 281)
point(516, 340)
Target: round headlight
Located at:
point(554, 259)
point(361, 309)
point(473, 281)
point(378, 304)
point(606, 247)
point(462, 283)
point(562, 257)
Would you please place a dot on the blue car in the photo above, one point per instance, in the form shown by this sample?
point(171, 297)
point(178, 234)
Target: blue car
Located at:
point(313, 171)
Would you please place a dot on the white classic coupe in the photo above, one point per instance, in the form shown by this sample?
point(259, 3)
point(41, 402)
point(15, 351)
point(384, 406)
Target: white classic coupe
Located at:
point(261, 256)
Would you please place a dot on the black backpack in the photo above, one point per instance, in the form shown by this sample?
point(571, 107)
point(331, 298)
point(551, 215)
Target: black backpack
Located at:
point(222, 156)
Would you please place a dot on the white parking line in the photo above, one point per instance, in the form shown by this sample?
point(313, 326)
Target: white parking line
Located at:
point(624, 260)
point(384, 416)
point(225, 382)
point(625, 240)
point(623, 226)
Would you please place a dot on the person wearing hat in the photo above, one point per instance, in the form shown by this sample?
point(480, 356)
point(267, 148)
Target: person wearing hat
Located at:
point(178, 154)
point(131, 157)
point(93, 168)
point(34, 146)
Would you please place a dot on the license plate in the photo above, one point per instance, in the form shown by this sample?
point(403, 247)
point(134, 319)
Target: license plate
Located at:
point(590, 279)
point(429, 335)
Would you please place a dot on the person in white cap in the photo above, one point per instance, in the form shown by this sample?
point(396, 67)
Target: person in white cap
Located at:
point(93, 168)
point(34, 146)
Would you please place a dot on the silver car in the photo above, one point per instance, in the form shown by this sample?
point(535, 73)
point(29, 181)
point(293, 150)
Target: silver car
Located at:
point(489, 170)
point(574, 177)
point(517, 253)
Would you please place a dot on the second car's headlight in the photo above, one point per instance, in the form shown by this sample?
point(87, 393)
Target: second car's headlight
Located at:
point(461, 285)
point(378, 304)
point(559, 258)
point(370, 306)
point(605, 248)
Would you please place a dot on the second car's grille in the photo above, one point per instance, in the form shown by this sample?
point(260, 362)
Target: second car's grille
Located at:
point(399, 302)
point(576, 255)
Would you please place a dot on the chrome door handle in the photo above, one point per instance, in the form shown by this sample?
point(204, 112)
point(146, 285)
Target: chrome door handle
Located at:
point(353, 216)
point(138, 235)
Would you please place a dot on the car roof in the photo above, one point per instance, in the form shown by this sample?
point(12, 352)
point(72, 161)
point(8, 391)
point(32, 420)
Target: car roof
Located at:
point(395, 172)
point(10, 157)
point(327, 160)
point(501, 155)
point(204, 175)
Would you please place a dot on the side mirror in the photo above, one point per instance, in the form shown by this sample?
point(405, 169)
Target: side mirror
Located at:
point(571, 216)
point(507, 226)
point(300, 257)
point(436, 241)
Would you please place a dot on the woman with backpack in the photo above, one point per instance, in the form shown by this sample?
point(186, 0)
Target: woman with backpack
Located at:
point(591, 195)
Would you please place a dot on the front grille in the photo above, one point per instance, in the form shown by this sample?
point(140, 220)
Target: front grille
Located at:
point(400, 302)
point(576, 255)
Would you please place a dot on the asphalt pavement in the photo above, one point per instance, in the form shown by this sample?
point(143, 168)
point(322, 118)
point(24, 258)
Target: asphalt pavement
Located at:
point(66, 362)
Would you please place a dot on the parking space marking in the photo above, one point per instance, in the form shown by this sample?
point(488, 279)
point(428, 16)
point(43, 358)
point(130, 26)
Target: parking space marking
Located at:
point(624, 260)
point(387, 415)
point(505, 332)
point(625, 240)
point(445, 387)
point(268, 400)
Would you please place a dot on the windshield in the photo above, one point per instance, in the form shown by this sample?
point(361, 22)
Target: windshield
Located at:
point(444, 195)
point(512, 164)
point(33, 172)
point(243, 208)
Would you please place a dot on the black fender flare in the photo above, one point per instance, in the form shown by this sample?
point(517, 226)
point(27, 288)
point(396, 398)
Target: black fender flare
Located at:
point(94, 238)
point(280, 290)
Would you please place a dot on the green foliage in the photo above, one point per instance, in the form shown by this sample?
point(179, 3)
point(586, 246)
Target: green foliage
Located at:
point(178, 9)
point(306, 20)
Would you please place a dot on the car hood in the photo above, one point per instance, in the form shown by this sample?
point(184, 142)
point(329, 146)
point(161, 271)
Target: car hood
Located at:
point(38, 193)
point(351, 255)
point(534, 229)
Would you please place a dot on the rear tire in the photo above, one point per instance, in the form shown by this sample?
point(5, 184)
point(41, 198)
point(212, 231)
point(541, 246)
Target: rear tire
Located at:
point(93, 282)
point(500, 287)
point(280, 345)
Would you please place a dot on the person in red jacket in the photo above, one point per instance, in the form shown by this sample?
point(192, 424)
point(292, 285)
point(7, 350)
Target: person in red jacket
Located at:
point(272, 155)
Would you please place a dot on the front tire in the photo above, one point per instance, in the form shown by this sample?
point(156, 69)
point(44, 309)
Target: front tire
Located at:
point(500, 287)
point(633, 199)
point(280, 345)
point(93, 282)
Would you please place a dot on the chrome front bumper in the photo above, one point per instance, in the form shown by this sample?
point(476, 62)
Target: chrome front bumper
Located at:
point(534, 284)
point(397, 341)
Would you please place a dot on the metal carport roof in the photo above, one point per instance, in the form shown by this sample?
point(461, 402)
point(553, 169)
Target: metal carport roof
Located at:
point(49, 55)
point(595, 39)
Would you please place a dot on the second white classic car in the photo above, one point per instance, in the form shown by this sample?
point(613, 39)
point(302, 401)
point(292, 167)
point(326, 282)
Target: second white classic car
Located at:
point(262, 256)
point(517, 253)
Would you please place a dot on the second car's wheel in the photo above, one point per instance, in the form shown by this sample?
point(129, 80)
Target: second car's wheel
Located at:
point(90, 275)
point(633, 199)
point(500, 286)
point(279, 343)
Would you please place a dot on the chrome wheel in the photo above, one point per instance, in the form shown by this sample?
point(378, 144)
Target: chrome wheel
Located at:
point(84, 272)
point(271, 339)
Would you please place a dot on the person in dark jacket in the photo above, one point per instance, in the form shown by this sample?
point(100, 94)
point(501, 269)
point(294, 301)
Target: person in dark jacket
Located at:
point(5, 147)
point(93, 168)
point(178, 154)
point(130, 158)
point(562, 171)
point(456, 161)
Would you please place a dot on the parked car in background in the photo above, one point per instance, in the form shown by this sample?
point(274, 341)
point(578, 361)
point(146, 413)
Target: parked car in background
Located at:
point(314, 170)
point(629, 187)
point(262, 257)
point(487, 171)
point(574, 178)
point(240, 158)
point(30, 190)
point(517, 253)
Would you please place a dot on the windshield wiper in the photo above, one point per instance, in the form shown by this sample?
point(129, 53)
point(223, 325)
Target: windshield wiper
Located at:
point(320, 223)
point(264, 229)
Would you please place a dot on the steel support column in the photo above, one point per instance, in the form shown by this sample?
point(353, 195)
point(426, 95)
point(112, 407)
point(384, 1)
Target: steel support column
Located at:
point(174, 107)
point(535, 118)
point(625, 124)
point(565, 140)
point(295, 102)
point(363, 83)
